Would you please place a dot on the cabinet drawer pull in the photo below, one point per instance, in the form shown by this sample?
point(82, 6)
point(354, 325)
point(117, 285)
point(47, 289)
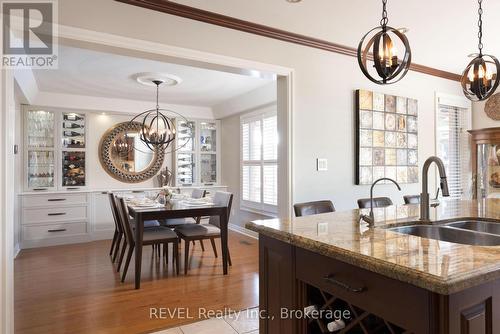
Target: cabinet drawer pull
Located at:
point(56, 214)
point(331, 279)
point(39, 189)
point(137, 191)
point(104, 192)
point(57, 230)
point(56, 199)
point(72, 188)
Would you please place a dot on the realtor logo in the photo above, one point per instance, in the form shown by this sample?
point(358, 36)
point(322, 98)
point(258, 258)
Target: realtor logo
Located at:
point(28, 34)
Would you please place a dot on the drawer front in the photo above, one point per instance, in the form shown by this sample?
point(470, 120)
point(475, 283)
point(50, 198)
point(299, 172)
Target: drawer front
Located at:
point(39, 232)
point(400, 303)
point(53, 200)
point(54, 214)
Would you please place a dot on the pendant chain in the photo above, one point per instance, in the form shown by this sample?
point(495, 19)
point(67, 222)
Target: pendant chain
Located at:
point(385, 20)
point(480, 25)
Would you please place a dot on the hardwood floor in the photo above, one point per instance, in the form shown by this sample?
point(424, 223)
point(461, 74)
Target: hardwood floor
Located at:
point(76, 289)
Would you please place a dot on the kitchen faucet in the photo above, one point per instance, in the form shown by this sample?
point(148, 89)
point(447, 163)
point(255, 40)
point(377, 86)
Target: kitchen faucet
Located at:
point(424, 196)
point(371, 219)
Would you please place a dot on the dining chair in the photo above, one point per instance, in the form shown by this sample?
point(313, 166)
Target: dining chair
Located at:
point(211, 231)
point(313, 208)
point(119, 229)
point(378, 202)
point(117, 236)
point(411, 199)
point(151, 236)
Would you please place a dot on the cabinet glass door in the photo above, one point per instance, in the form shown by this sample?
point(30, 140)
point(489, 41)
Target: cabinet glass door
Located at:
point(185, 136)
point(40, 169)
point(488, 171)
point(208, 168)
point(208, 135)
point(73, 130)
point(40, 129)
point(185, 168)
point(73, 169)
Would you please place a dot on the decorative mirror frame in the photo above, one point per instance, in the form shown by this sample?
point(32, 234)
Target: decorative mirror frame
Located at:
point(110, 167)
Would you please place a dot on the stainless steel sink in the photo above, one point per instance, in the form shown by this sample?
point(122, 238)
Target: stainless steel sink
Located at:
point(453, 234)
point(477, 225)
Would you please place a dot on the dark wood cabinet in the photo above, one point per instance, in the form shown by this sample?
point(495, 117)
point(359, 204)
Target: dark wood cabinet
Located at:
point(291, 278)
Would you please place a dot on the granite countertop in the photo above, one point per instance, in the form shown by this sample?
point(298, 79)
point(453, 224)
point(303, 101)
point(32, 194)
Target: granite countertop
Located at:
point(438, 266)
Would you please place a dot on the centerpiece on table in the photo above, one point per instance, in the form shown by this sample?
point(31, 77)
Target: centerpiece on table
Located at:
point(165, 195)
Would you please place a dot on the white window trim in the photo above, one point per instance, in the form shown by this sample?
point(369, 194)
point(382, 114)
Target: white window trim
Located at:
point(452, 101)
point(262, 208)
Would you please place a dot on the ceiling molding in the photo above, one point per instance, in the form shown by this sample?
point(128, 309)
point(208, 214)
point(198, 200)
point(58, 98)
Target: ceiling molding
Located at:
point(197, 14)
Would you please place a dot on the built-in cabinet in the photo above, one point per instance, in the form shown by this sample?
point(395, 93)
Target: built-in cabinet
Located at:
point(486, 162)
point(197, 155)
point(54, 149)
point(65, 217)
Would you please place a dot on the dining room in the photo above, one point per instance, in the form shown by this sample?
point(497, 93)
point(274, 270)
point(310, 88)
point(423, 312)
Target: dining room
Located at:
point(127, 192)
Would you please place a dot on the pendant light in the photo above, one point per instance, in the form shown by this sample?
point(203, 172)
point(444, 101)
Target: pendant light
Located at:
point(381, 47)
point(480, 78)
point(158, 130)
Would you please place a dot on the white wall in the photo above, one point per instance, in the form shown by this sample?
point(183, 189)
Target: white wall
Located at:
point(323, 91)
point(479, 118)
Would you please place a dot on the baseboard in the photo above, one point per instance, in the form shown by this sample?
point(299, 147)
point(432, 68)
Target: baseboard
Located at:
point(244, 231)
point(17, 249)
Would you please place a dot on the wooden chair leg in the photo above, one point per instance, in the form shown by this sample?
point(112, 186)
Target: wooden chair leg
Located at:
point(113, 243)
point(117, 246)
point(213, 246)
point(186, 257)
point(229, 258)
point(122, 254)
point(158, 250)
point(165, 251)
point(202, 245)
point(176, 256)
point(127, 262)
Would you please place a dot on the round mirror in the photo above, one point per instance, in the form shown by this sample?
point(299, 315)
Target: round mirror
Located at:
point(125, 157)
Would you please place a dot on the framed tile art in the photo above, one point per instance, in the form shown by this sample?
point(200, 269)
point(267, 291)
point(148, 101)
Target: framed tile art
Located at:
point(386, 138)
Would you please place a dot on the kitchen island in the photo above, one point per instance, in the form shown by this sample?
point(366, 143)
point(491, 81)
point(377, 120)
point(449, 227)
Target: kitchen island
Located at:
point(388, 282)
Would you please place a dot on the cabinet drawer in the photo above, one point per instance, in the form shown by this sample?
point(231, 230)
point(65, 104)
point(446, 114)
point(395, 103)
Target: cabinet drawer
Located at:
point(385, 297)
point(54, 214)
point(53, 199)
point(39, 232)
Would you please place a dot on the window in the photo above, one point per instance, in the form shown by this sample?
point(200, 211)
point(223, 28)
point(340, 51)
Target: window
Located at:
point(453, 147)
point(259, 161)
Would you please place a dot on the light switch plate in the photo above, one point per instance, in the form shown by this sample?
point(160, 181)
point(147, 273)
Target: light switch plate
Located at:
point(321, 164)
point(322, 228)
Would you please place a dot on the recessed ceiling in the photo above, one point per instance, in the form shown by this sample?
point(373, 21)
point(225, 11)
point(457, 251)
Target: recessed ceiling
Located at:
point(92, 73)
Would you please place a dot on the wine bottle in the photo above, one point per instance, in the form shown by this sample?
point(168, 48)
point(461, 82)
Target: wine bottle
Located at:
point(68, 125)
point(72, 117)
point(72, 134)
point(336, 325)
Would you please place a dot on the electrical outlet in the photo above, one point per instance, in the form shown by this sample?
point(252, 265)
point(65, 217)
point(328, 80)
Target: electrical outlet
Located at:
point(321, 164)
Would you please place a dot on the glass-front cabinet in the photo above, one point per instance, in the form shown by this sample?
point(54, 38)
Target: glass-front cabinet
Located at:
point(196, 158)
point(54, 149)
point(486, 162)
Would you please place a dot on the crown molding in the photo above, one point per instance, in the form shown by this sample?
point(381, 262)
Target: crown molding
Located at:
point(201, 15)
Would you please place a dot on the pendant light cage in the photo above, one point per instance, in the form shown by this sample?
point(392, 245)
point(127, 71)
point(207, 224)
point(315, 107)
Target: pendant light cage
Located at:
point(381, 45)
point(480, 78)
point(158, 127)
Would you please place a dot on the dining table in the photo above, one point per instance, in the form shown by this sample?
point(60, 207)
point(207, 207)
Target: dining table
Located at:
point(172, 210)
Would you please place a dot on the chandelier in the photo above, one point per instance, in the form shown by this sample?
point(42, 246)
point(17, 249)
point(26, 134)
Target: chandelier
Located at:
point(158, 126)
point(480, 78)
point(379, 45)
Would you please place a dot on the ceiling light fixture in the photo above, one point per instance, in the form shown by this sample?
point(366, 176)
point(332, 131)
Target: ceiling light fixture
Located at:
point(388, 67)
point(480, 78)
point(158, 125)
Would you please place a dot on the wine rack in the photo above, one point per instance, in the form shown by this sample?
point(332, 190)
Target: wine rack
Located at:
point(73, 169)
point(197, 156)
point(73, 130)
point(359, 321)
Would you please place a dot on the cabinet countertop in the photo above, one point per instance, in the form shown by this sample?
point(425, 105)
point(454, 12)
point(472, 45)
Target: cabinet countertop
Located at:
point(94, 190)
point(437, 266)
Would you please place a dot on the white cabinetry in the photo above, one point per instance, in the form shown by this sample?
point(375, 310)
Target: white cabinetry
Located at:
point(103, 224)
point(54, 219)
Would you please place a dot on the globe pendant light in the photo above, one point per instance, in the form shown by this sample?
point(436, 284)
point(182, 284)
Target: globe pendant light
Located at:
point(381, 47)
point(480, 78)
point(158, 130)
